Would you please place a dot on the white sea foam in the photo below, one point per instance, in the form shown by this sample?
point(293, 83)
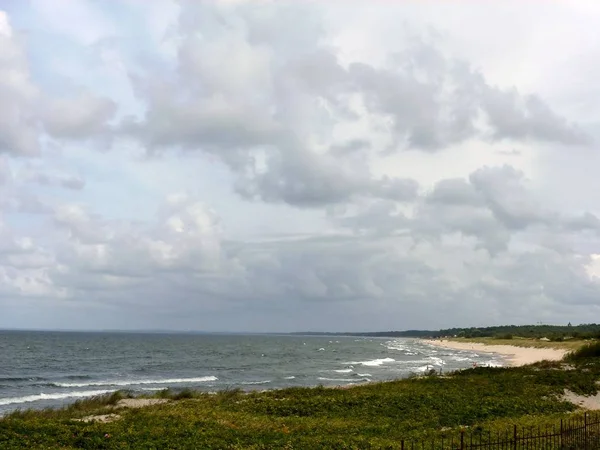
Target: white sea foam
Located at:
point(290, 377)
point(460, 359)
point(394, 345)
point(437, 361)
point(364, 375)
point(493, 363)
point(55, 396)
point(345, 380)
point(373, 362)
point(343, 370)
point(256, 382)
point(136, 382)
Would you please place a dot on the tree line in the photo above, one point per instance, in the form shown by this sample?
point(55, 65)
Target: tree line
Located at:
point(551, 332)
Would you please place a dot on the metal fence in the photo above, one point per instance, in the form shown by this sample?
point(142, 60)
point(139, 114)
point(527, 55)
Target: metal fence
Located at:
point(579, 432)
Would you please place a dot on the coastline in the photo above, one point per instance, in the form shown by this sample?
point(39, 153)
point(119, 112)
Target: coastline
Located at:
point(515, 356)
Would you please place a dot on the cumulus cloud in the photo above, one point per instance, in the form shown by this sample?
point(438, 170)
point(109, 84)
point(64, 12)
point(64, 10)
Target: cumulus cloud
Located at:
point(18, 125)
point(83, 116)
point(321, 182)
point(26, 110)
point(269, 105)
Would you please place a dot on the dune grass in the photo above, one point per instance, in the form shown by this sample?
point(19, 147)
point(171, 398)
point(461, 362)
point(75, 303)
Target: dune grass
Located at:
point(377, 415)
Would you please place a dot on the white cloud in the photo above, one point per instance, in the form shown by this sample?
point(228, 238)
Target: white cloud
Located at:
point(82, 116)
point(333, 167)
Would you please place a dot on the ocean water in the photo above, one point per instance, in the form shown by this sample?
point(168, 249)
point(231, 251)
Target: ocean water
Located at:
point(49, 369)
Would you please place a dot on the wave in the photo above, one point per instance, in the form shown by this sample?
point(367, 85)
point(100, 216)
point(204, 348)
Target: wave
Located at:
point(256, 382)
point(364, 375)
point(402, 346)
point(13, 379)
point(437, 361)
point(394, 345)
point(345, 380)
point(373, 362)
point(343, 370)
point(56, 396)
point(336, 379)
point(290, 377)
point(136, 382)
point(492, 363)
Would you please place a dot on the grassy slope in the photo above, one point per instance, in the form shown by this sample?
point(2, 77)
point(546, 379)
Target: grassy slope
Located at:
point(369, 416)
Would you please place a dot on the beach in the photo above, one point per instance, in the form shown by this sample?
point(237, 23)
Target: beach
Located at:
point(461, 405)
point(515, 356)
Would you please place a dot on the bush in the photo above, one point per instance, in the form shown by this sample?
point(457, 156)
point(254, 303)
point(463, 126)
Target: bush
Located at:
point(505, 336)
point(591, 350)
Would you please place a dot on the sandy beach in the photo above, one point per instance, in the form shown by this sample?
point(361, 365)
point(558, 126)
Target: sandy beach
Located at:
point(515, 356)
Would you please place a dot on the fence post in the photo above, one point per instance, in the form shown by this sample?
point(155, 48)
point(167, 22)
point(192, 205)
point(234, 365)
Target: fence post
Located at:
point(462, 439)
point(515, 437)
point(585, 431)
point(561, 434)
point(402, 444)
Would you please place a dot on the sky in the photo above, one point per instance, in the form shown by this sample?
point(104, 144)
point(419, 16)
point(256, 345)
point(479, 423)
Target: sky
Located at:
point(269, 165)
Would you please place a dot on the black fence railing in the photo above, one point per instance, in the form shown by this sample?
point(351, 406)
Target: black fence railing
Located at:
point(575, 433)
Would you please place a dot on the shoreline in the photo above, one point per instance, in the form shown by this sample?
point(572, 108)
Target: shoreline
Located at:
point(511, 356)
point(515, 356)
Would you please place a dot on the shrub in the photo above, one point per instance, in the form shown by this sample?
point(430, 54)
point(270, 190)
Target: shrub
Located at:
point(591, 350)
point(505, 336)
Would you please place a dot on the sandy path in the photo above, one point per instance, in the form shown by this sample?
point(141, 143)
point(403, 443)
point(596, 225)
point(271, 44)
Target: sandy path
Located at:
point(140, 402)
point(586, 402)
point(516, 356)
point(123, 403)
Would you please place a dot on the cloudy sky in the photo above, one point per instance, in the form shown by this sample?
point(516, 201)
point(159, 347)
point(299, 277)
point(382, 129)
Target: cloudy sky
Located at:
point(278, 165)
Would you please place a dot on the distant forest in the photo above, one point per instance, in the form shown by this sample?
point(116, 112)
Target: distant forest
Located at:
point(552, 332)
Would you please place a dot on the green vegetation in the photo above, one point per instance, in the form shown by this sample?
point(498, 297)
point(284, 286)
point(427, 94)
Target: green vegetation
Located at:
point(591, 350)
point(551, 332)
point(374, 415)
point(556, 333)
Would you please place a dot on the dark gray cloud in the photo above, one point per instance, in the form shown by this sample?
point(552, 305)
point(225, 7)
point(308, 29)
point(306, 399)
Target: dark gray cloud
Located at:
point(393, 261)
point(518, 117)
point(435, 101)
point(492, 206)
point(455, 191)
point(503, 191)
point(397, 275)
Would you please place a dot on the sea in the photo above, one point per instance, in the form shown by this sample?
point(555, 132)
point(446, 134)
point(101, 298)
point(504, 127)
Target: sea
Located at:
point(40, 369)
